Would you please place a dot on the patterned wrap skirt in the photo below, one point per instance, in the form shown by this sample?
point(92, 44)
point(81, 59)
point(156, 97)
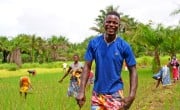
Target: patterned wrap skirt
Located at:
point(106, 101)
point(73, 88)
point(175, 72)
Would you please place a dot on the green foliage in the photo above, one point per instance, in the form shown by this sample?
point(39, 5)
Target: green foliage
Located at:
point(13, 68)
point(144, 61)
point(155, 66)
point(9, 66)
point(100, 19)
point(145, 39)
point(26, 58)
point(176, 11)
point(44, 65)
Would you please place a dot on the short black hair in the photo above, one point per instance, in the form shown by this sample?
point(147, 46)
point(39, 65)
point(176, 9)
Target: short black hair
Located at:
point(113, 13)
point(75, 55)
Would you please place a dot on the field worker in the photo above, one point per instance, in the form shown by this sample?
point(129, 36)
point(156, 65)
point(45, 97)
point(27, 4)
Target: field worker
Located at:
point(163, 76)
point(179, 71)
point(64, 67)
point(25, 85)
point(174, 63)
point(75, 70)
point(109, 51)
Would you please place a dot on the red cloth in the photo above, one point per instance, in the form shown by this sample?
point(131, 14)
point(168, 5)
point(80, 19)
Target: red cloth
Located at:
point(91, 75)
point(175, 72)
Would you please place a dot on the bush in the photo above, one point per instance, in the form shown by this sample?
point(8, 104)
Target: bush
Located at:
point(144, 61)
point(12, 68)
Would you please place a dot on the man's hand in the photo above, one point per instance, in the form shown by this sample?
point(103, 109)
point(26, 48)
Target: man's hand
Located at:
point(81, 99)
point(126, 102)
point(60, 81)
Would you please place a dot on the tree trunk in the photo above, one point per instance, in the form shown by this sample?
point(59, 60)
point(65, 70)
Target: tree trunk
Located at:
point(15, 57)
point(5, 56)
point(156, 61)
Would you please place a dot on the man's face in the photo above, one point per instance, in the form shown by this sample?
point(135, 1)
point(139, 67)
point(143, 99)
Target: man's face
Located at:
point(76, 58)
point(111, 24)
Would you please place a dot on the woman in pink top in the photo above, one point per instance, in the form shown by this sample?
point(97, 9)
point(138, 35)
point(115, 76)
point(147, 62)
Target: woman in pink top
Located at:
point(174, 63)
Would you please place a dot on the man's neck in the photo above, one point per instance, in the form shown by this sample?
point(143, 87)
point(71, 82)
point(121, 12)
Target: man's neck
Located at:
point(75, 62)
point(109, 38)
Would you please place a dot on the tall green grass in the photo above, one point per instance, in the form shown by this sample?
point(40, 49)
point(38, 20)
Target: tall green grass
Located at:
point(48, 94)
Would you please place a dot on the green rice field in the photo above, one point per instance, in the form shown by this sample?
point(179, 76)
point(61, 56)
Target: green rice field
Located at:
point(48, 94)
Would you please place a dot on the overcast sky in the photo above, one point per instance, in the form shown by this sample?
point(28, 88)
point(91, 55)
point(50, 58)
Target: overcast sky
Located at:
point(73, 18)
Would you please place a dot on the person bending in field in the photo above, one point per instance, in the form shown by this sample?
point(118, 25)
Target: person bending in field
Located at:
point(163, 76)
point(64, 67)
point(75, 71)
point(25, 85)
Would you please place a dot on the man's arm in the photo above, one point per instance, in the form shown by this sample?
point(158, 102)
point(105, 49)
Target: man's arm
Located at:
point(20, 82)
point(84, 78)
point(65, 74)
point(29, 81)
point(133, 81)
point(133, 86)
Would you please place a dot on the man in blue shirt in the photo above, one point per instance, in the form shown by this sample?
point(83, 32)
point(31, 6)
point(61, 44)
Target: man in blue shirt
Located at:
point(109, 51)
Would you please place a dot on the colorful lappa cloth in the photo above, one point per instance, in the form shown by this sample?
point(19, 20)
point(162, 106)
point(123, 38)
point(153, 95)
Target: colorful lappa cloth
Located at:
point(164, 75)
point(106, 102)
point(76, 76)
point(175, 72)
point(74, 85)
point(25, 84)
point(24, 89)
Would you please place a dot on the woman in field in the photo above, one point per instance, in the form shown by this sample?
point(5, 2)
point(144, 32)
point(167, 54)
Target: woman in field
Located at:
point(75, 71)
point(163, 76)
point(174, 63)
point(25, 85)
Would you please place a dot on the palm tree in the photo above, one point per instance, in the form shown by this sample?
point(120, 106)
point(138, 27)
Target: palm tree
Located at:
point(100, 19)
point(171, 43)
point(4, 48)
point(19, 44)
point(127, 24)
point(63, 48)
point(42, 50)
point(58, 46)
point(151, 39)
point(176, 11)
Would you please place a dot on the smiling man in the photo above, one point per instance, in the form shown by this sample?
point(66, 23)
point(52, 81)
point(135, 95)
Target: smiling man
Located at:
point(109, 51)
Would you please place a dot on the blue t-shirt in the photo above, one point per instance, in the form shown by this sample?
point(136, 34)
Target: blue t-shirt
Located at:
point(109, 61)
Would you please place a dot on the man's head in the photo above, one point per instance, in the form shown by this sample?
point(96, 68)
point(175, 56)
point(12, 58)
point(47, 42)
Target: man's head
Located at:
point(113, 13)
point(76, 57)
point(111, 23)
point(174, 57)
